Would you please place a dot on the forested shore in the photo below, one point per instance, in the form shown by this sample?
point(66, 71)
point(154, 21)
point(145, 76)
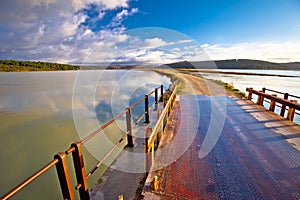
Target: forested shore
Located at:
point(24, 66)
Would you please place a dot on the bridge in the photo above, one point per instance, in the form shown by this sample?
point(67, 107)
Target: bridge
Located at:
point(195, 145)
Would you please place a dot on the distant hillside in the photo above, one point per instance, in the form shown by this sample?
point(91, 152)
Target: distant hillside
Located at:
point(235, 64)
point(20, 66)
point(291, 66)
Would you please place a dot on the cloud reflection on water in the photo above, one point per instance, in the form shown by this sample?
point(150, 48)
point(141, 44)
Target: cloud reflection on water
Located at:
point(36, 114)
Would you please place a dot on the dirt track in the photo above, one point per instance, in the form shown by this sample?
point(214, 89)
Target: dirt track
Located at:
point(197, 85)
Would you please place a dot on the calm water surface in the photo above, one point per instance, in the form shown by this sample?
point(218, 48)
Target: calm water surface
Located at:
point(36, 114)
point(290, 85)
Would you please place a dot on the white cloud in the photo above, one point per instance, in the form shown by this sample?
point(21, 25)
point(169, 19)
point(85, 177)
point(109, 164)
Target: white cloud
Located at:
point(118, 19)
point(125, 13)
point(107, 4)
point(155, 42)
point(34, 3)
point(77, 4)
point(184, 41)
point(51, 30)
point(274, 52)
point(158, 57)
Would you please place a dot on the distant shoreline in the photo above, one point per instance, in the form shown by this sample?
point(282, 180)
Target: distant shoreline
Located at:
point(235, 73)
point(240, 64)
point(235, 64)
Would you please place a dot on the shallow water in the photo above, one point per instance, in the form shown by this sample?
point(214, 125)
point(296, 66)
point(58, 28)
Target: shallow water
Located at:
point(37, 111)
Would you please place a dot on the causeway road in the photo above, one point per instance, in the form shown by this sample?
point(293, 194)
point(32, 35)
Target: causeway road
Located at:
point(221, 146)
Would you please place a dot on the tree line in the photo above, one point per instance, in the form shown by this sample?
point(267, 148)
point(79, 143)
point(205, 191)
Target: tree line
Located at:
point(21, 66)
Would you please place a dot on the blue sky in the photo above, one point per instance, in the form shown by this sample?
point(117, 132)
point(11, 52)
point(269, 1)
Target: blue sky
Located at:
point(79, 31)
point(225, 21)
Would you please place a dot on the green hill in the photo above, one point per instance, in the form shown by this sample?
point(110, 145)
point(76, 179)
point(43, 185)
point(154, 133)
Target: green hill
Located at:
point(21, 66)
point(235, 64)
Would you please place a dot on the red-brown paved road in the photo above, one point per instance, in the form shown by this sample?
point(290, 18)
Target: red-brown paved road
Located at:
point(248, 161)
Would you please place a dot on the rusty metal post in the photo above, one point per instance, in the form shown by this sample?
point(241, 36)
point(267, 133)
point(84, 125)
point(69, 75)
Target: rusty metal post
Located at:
point(147, 154)
point(161, 93)
point(160, 132)
point(64, 176)
point(273, 103)
point(250, 94)
point(147, 109)
point(286, 96)
point(82, 184)
point(260, 99)
point(291, 111)
point(129, 128)
point(156, 96)
point(173, 100)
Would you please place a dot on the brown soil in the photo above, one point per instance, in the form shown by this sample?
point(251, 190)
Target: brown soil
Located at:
point(198, 85)
point(193, 84)
point(235, 73)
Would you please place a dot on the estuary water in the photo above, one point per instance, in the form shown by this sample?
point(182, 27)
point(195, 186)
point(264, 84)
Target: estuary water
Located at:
point(37, 112)
point(280, 80)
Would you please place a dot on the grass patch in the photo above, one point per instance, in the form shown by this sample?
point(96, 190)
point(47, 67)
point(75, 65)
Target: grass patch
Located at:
point(175, 79)
point(230, 87)
point(227, 86)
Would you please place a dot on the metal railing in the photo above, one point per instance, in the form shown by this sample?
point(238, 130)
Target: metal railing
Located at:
point(285, 96)
point(153, 139)
point(60, 159)
point(284, 102)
